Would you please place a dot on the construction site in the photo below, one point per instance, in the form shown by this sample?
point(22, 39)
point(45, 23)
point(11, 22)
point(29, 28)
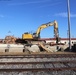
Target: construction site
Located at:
point(30, 54)
point(32, 43)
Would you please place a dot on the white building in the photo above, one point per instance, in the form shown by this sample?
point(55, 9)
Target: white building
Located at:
point(63, 40)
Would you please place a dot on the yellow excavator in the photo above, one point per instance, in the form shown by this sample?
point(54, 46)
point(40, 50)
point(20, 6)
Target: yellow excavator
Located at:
point(36, 36)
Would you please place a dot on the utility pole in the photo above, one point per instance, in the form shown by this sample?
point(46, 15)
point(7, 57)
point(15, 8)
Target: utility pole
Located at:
point(68, 4)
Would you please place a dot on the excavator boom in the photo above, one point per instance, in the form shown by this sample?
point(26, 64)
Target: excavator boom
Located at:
point(55, 24)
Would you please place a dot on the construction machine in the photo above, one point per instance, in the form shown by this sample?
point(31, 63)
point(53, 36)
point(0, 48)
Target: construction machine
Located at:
point(35, 36)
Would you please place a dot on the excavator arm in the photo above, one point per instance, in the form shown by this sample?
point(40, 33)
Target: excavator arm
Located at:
point(55, 24)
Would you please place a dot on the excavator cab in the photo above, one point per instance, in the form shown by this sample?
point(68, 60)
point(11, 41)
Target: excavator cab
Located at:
point(27, 36)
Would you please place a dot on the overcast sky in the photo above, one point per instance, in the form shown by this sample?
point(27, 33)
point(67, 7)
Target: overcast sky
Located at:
point(20, 16)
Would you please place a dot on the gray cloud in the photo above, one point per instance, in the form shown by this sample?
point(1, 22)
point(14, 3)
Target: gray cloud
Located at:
point(64, 14)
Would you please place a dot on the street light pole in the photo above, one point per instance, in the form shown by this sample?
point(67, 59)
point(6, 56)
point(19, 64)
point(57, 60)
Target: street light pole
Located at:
point(69, 25)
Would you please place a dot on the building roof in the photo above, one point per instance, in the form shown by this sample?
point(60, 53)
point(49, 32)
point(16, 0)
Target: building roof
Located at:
point(55, 39)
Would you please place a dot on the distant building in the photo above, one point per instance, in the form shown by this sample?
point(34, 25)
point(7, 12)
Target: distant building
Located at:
point(63, 40)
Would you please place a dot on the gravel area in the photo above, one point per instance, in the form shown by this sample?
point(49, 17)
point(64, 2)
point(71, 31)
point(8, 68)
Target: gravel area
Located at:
point(40, 73)
point(34, 59)
point(37, 66)
point(69, 72)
